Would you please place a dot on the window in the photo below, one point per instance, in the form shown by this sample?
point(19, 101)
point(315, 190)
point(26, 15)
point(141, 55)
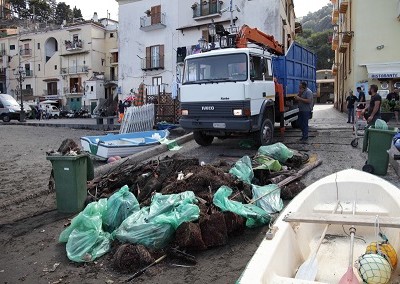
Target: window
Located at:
point(155, 57)
point(91, 88)
point(55, 67)
point(156, 81)
point(28, 87)
point(257, 68)
point(12, 46)
point(52, 88)
point(111, 35)
point(38, 45)
point(75, 38)
point(38, 67)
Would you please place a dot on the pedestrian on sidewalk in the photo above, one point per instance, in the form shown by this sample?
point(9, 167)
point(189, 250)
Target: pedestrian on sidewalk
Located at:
point(361, 98)
point(373, 112)
point(351, 99)
point(121, 110)
point(305, 101)
point(394, 102)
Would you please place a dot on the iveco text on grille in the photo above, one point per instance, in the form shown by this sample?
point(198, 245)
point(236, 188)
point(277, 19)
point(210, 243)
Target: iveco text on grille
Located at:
point(207, 108)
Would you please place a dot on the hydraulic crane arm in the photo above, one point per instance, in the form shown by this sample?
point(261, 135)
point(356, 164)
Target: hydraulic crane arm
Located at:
point(247, 34)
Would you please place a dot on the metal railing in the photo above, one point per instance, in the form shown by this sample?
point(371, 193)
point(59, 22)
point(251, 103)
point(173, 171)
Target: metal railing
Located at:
point(206, 8)
point(73, 45)
point(25, 52)
point(28, 73)
point(158, 18)
point(151, 62)
point(75, 69)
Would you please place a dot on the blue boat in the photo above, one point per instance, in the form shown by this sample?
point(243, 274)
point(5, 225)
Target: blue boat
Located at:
point(122, 145)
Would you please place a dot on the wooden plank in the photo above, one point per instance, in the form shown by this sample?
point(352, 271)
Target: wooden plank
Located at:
point(341, 219)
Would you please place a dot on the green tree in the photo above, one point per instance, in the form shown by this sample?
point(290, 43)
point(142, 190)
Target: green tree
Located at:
point(19, 8)
point(76, 13)
point(63, 12)
point(53, 7)
point(39, 10)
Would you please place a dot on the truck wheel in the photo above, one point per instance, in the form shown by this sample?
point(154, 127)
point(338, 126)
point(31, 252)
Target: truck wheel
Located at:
point(55, 116)
point(266, 133)
point(6, 118)
point(202, 139)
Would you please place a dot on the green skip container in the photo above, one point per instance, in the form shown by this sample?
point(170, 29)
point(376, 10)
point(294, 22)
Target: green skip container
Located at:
point(377, 142)
point(70, 175)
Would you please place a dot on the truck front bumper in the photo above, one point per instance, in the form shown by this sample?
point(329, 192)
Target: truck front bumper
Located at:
point(215, 125)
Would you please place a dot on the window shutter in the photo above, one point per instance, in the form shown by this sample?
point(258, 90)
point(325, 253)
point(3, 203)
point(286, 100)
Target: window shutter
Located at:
point(205, 35)
point(162, 56)
point(148, 57)
point(156, 14)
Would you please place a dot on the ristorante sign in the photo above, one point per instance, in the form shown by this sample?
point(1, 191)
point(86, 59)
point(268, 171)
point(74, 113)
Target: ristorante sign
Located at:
point(383, 75)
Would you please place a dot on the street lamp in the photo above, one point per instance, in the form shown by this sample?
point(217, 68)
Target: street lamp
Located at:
point(203, 44)
point(212, 31)
point(21, 77)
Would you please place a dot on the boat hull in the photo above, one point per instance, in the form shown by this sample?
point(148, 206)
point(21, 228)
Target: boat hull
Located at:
point(277, 260)
point(122, 145)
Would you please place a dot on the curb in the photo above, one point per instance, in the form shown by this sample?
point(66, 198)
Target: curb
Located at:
point(141, 156)
point(104, 127)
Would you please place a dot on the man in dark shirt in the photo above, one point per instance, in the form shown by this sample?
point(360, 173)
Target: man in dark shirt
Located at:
point(361, 98)
point(374, 109)
point(351, 99)
point(394, 102)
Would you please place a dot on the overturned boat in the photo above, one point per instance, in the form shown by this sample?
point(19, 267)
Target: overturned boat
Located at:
point(122, 145)
point(344, 228)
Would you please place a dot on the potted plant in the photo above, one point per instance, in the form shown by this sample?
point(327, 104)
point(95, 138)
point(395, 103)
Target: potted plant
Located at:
point(148, 13)
point(386, 110)
point(194, 5)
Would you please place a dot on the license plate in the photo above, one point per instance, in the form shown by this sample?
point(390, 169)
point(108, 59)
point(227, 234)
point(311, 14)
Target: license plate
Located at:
point(219, 125)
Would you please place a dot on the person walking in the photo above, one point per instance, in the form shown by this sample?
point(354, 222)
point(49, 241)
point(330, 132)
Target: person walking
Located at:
point(121, 111)
point(373, 112)
point(305, 101)
point(361, 98)
point(351, 99)
point(394, 102)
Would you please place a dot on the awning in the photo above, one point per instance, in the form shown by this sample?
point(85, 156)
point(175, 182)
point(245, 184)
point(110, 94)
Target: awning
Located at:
point(383, 70)
point(51, 80)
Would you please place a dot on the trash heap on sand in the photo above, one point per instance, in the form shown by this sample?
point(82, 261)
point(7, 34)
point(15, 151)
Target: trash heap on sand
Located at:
point(175, 205)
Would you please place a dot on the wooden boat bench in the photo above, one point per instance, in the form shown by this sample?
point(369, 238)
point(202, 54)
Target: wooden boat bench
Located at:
point(342, 219)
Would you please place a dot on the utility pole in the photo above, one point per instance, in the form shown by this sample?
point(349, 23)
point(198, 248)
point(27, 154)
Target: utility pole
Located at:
point(20, 80)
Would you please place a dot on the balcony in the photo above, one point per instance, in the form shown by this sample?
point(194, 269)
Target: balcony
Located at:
point(335, 16)
point(28, 73)
point(346, 37)
point(342, 47)
point(47, 92)
point(25, 52)
point(73, 45)
point(153, 63)
point(206, 9)
point(335, 42)
point(75, 70)
point(27, 92)
point(343, 6)
point(73, 90)
point(152, 22)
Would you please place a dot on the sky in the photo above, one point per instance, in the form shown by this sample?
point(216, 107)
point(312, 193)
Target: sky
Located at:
point(302, 7)
point(88, 7)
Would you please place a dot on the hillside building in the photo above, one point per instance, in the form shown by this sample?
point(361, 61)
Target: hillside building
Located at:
point(75, 64)
point(366, 41)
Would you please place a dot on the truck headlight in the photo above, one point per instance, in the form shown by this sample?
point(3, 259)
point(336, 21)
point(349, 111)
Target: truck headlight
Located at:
point(185, 112)
point(237, 112)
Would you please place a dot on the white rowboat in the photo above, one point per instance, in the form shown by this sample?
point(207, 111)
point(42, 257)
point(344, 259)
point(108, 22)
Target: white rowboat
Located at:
point(122, 145)
point(300, 225)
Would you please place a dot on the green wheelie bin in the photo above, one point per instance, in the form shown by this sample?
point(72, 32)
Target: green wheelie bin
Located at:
point(376, 143)
point(71, 174)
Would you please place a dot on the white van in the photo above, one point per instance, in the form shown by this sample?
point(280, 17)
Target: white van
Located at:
point(9, 108)
point(53, 111)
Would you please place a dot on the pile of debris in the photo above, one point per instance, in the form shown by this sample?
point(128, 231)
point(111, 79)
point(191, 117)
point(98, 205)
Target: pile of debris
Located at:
point(178, 175)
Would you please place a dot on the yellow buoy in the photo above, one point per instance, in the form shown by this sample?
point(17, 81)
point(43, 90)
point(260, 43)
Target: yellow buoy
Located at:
point(385, 248)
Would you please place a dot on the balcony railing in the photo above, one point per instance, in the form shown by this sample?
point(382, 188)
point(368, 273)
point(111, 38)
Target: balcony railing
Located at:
point(205, 9)
point(73, 45)
point(27, 92)
point(152, 22)
point(73, 90)
point(51, 92)
point(75, 69)
point(28, 73)
point(25, 52)
point(335, 41)
point(153, 63)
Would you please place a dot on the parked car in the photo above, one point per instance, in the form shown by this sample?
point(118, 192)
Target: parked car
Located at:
point(52, 111)
point(9, 108)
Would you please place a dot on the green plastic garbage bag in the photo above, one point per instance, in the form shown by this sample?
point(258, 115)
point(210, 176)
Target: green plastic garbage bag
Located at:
point(267, 163)
point(243, 170)
point(278, 151)
point(381, 124)
point(85, 238)
point(120, 205)
point(154, 226)
point(270, 199)
point(255, 215)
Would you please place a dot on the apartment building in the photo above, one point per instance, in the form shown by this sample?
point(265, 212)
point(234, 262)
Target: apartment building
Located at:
point(70, 63)
point(156, 35)
point(366, 41)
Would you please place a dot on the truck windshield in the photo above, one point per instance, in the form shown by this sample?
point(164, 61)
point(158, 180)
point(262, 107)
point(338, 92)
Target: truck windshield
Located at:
point(215, 69)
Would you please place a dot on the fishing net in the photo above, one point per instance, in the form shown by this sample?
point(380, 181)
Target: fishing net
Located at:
point(374, 269)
